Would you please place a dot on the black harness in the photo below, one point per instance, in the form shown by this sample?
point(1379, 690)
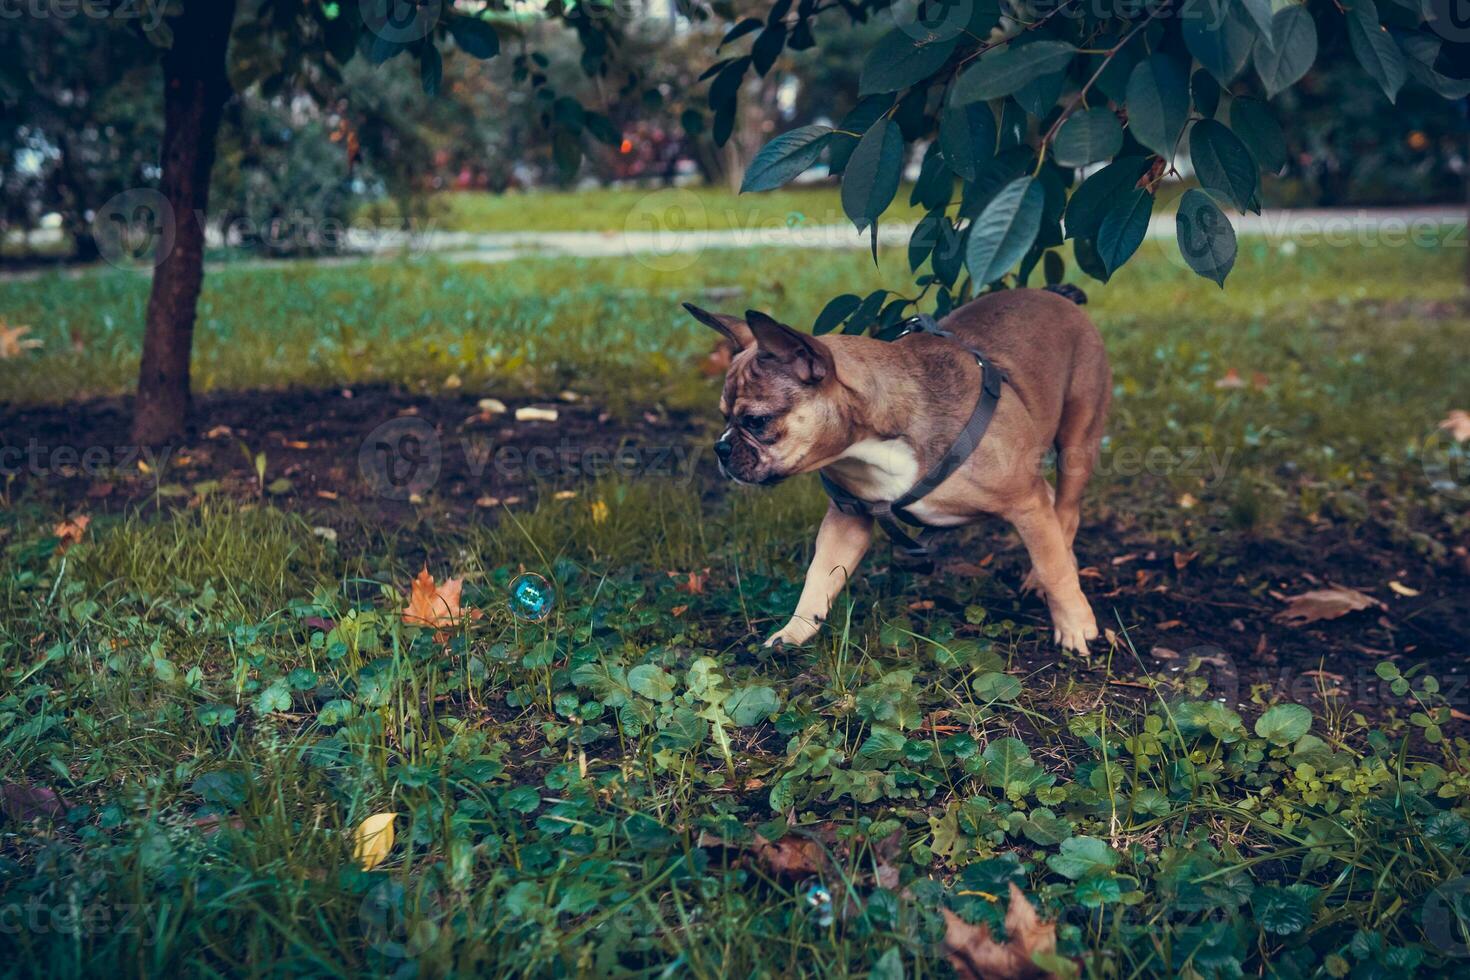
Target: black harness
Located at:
point(889, 513)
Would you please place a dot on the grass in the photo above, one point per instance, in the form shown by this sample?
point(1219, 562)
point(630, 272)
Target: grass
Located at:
point(695, 208)
point(219, 695)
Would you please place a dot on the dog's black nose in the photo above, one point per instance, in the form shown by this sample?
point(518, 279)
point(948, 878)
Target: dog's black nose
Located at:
point(723, 449)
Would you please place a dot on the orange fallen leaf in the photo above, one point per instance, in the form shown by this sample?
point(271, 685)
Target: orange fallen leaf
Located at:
point(1457, 424)
point(11, 344)
point(694, 584)
point(1230, 381)
point(679, 610)
point(1183, 558)
point(1320, 604)
point(433, 605)
point(70, 531)
point(975, 955)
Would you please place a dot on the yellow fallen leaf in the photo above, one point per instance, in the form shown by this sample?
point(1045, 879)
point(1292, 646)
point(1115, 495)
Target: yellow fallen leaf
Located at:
point(373, 840)
point(1402, 589)
point(599, 512)
point(11, 342)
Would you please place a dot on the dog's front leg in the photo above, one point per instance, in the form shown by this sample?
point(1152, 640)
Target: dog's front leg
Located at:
point(842, 541)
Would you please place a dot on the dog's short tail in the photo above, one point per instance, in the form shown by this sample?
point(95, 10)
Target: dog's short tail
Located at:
point(1068, 291)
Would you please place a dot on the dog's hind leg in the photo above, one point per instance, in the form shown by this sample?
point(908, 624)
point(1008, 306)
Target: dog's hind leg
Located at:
point(1078, 443)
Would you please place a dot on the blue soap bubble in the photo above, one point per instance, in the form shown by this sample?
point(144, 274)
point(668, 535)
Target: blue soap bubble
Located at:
point(531, 597)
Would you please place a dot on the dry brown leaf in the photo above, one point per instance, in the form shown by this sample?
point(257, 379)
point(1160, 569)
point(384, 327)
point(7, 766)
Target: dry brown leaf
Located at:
point(1183, 558)
point(693, 584)
point(975, 955)
point(1457, 424)
point(791, 857)
point(70, 531)
point(1320, 604)
point(433, 605)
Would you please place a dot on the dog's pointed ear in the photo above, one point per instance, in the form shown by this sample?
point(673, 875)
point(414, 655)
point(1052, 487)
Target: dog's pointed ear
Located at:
point(731, 328)
point(806, 356)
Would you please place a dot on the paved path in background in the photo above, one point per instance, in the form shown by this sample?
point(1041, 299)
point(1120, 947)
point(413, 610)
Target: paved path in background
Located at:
point(652, 237)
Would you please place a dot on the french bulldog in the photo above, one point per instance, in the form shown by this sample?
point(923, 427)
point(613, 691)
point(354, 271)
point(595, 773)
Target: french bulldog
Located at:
point(875, 416)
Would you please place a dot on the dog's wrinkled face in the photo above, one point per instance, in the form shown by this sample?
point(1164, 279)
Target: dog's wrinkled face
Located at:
point(781, 418)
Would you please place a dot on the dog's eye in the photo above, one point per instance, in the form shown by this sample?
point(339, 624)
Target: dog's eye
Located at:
point(754, 424)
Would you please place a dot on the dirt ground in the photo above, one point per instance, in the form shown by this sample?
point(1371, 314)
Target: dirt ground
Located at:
point(375, 451)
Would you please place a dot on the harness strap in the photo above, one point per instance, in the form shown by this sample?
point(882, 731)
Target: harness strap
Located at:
point(885, 512)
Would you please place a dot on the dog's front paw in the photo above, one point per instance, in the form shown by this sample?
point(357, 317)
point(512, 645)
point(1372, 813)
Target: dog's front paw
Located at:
point(793, 634)
point(1073, 631)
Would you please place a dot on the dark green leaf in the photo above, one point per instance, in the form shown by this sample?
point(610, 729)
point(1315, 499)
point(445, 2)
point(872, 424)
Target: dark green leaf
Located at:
point(1002, 71)
point(785, 157)
point(1282, 63)
point(923, 239)
point(1084, 251)
point(1223, 163)
point(900, 59)
point(747, 26)
point(1005, 230)
point(474, 36)
point(431, 69)
point(838, 308)
point(1090, 202)
point(1259, 13)
point(871, 177)
point(1205, 92)
point(1216, 33)
point(967, 137)
point(1375, 49)
point(856, 122)
point(1253, 121)
point(1158, 103)
point(1054, 268)
point(767, 48)
point(1040, 95)
point(1087, 137)
point(1206, 238)
point(1123, 229)
point(726, 85)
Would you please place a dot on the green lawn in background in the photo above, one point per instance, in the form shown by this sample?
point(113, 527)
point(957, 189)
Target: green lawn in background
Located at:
point(220, 694)
point(694, 208)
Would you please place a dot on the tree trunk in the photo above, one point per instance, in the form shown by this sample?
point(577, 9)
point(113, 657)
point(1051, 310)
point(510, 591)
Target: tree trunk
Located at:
point(195, 90)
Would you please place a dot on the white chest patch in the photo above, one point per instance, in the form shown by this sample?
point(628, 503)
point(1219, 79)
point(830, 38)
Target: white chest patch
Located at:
point(885, 469)
point(877, 469)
